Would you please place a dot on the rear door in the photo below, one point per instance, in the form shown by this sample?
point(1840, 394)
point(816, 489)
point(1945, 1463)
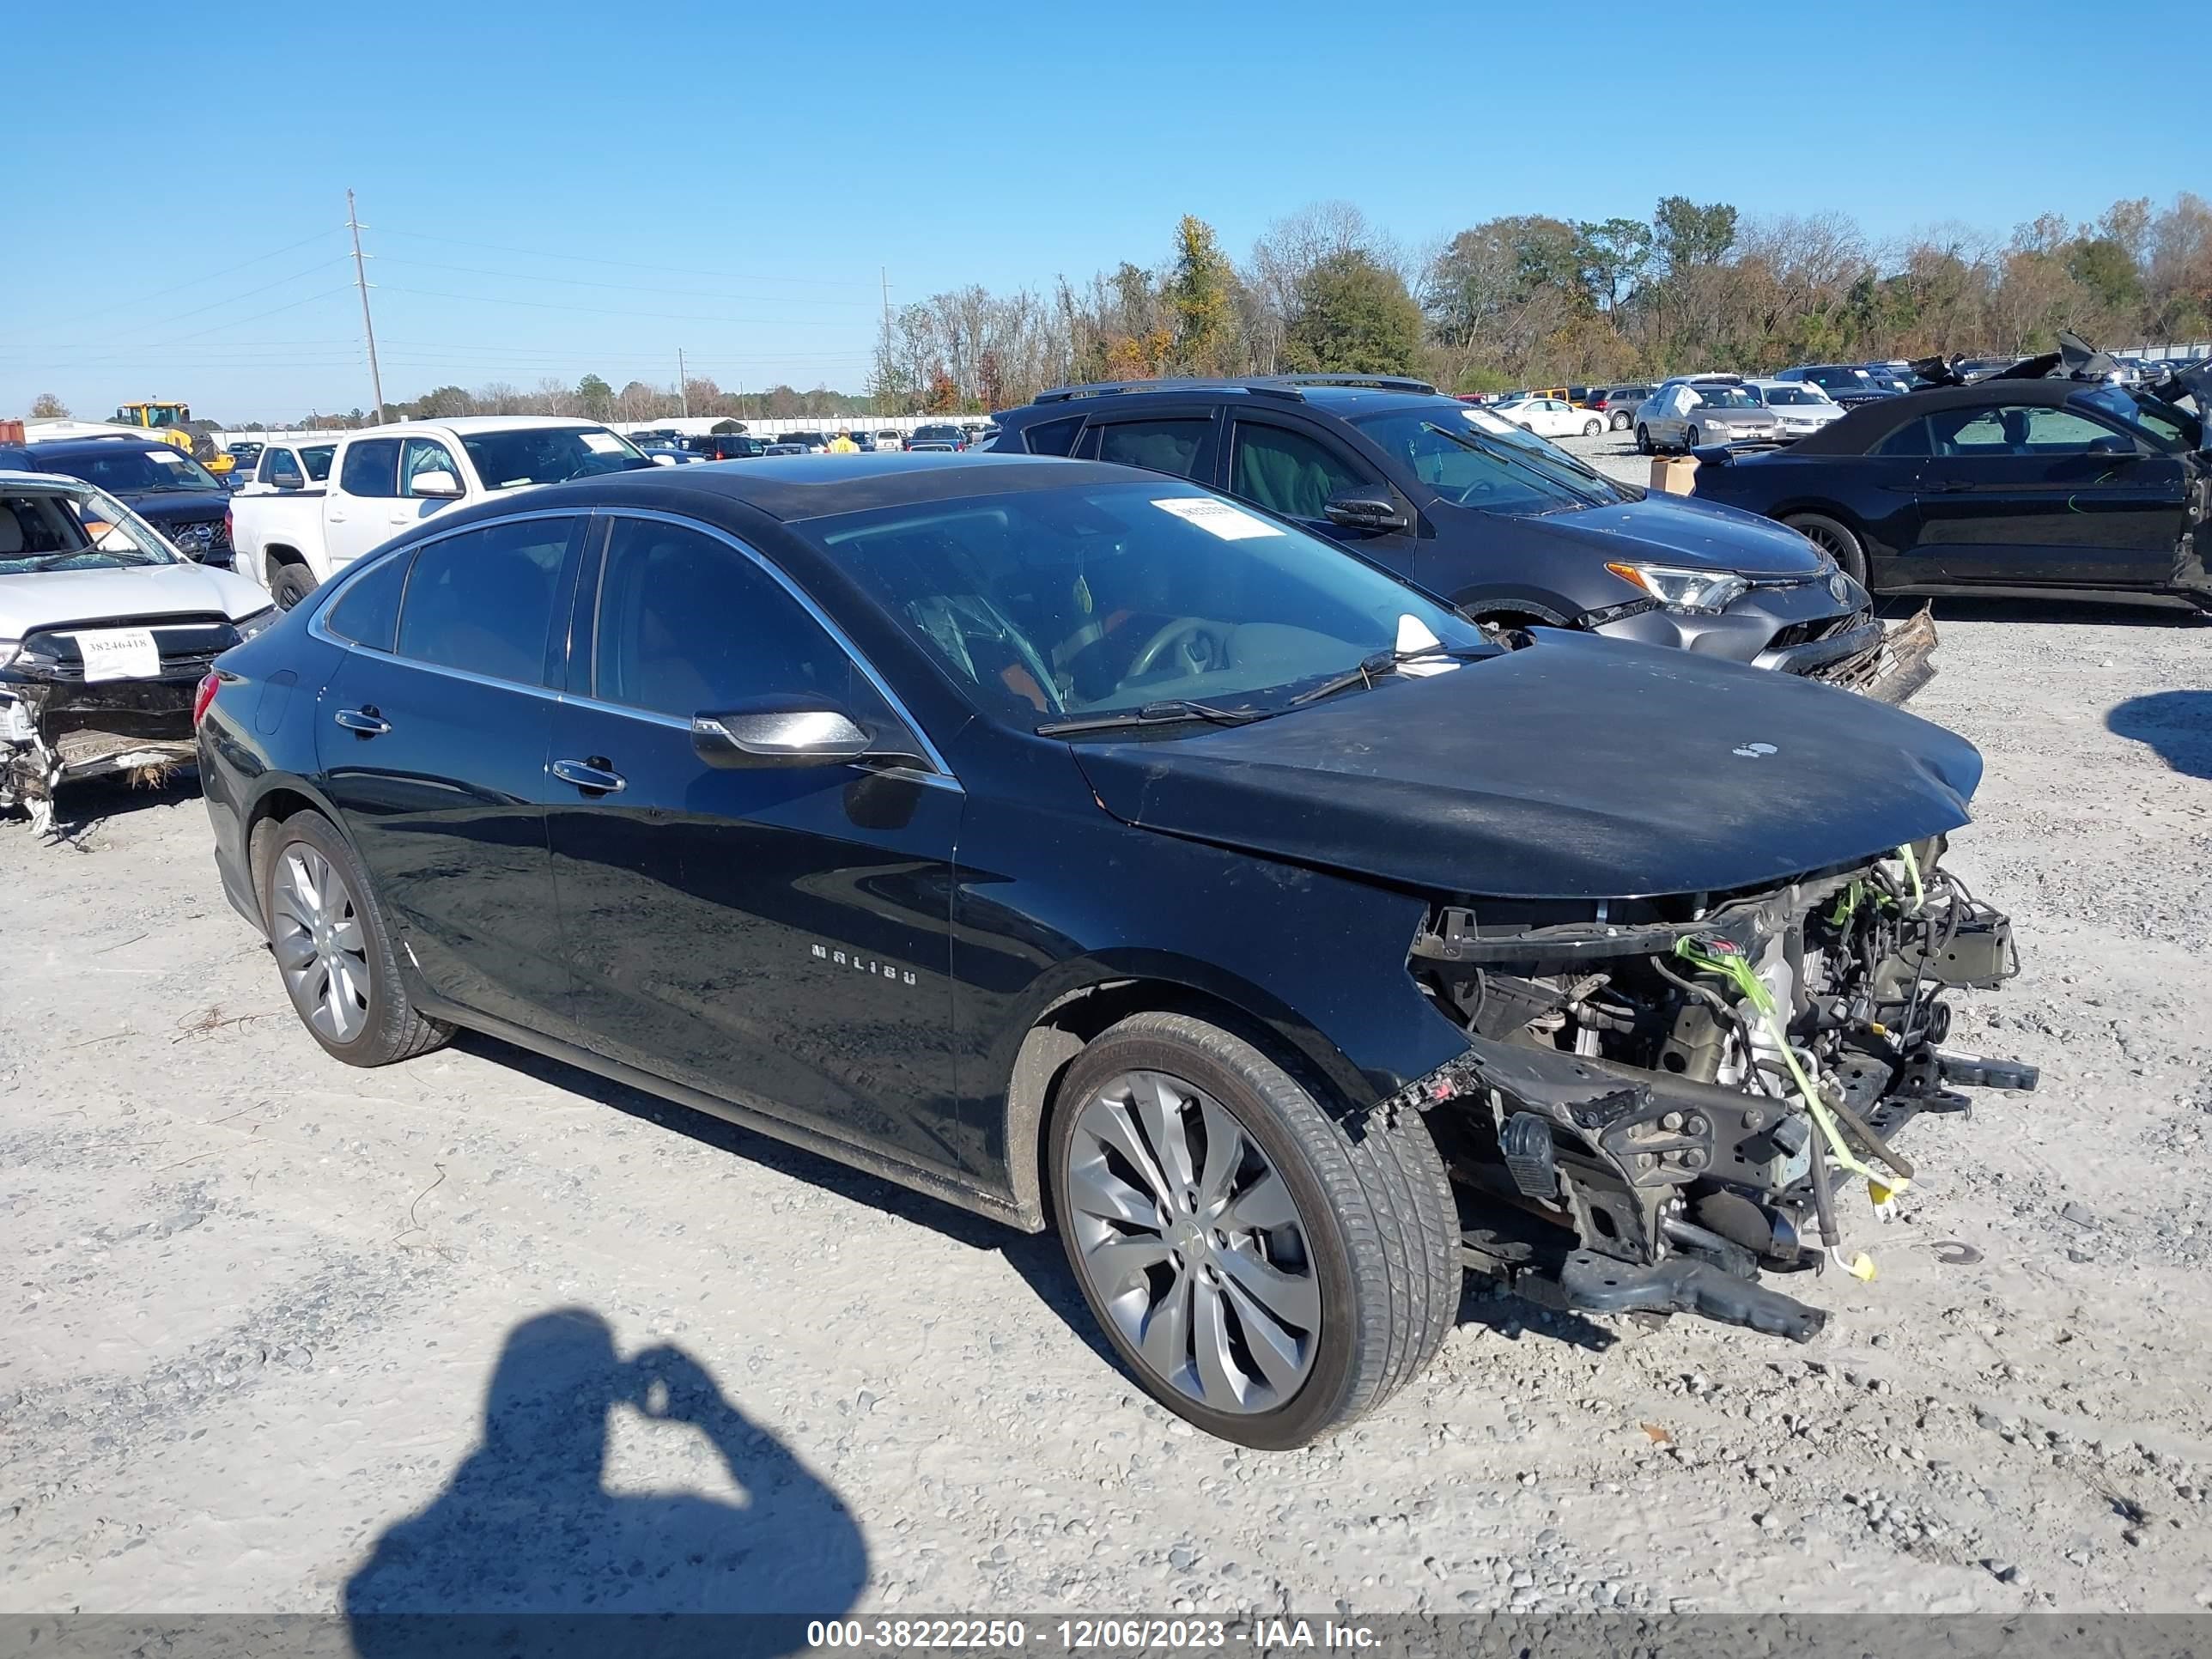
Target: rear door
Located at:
point(1183, 443)
point(2029, 494)
point(776, 936)
point(432, 744)
point(362, 505)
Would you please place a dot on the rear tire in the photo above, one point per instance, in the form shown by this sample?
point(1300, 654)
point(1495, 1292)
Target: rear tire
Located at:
point(291, 584)
point(333, 949)
point(1838, 541)
point(1643, 441)
point(1349, 1231)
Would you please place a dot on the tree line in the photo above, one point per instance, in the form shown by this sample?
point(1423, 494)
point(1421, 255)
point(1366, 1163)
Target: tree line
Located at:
point(1532, 300)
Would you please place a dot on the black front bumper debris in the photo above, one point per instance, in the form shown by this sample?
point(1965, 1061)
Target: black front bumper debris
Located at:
point(1597, 1283)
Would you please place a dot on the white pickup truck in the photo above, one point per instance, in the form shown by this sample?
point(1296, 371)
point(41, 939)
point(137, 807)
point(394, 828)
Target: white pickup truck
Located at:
point(293, 533)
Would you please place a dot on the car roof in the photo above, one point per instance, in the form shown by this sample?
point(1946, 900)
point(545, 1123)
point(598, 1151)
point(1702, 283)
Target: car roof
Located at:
point(462, 425)
point(797, 488)
point(15, 478)
point(71, 449)
point(1870, 421)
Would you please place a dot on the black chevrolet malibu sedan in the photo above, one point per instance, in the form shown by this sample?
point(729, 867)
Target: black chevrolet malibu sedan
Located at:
point(1080, 846)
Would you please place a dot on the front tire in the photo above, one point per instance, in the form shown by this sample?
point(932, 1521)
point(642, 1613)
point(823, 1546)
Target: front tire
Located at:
point(1643, 441)
point(1591, 429)
point(333, 950)
point(1838, 541)
point(1262, 1271)
point(1689, 441)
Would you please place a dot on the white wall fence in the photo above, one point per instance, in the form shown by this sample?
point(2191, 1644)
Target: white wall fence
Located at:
point(765, 429)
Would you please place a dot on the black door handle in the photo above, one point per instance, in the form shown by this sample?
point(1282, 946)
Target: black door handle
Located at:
point(363, 721)
point(595, 776)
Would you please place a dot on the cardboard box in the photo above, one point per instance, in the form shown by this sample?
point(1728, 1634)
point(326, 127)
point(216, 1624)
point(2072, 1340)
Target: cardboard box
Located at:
point(1673, 473)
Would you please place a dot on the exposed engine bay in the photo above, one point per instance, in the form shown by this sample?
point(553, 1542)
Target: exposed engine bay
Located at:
point(1667, 1099)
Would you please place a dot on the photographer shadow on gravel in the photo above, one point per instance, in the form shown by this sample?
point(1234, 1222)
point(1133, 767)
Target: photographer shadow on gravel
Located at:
point(2177, 723)
point(526, 1527)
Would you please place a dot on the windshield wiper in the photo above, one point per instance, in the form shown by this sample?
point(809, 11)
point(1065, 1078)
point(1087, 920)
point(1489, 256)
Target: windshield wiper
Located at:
point(1153, 713)
point(1387, 662)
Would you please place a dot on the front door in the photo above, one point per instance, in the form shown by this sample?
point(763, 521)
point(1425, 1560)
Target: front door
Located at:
point(779, 936)
point(432, 744)
point(2030, 494)
point(1293, 471)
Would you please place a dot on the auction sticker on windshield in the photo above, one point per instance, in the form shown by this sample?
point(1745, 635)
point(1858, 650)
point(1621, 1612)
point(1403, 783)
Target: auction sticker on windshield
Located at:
point(602, 443)
point(1217, 518)
point(119, 653)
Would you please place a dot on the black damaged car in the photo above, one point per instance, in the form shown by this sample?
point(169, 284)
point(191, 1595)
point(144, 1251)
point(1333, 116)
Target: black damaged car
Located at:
point(2044, 479)
point(1083, 848)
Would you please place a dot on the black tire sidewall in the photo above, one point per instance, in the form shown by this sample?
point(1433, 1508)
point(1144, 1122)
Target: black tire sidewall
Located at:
point(1643, 441)
point(1317, 1402)
point(383, 1032)
point(293, 580)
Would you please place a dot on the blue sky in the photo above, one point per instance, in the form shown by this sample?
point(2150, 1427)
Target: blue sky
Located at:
point(559, 188)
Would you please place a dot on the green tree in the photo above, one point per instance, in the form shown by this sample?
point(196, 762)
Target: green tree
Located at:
point(1684, 234)
point(1354, 317)
point(1202, 300)
point(1611, 256)
point(596, 396)
point(47, 407)
point(2103, 266)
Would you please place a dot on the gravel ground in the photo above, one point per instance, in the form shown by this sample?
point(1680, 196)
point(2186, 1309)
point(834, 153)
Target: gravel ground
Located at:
point(483, 1330)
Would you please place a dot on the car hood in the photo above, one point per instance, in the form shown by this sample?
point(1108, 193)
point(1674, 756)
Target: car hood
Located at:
point(162, 508)
point(1682, 529)
point(42, 598)
point(1574, 769)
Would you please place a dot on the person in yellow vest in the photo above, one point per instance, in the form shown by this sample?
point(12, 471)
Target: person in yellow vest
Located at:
point(842, 443)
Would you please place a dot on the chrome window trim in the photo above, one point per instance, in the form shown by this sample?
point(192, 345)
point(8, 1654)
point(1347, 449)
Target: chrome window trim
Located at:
point(805, 602)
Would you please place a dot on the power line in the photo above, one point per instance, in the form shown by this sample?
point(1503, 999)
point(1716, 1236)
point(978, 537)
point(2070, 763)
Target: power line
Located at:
point(591, 310)
point(231, 299)
point(168, 288)
point(633, 264)
point(618, 288)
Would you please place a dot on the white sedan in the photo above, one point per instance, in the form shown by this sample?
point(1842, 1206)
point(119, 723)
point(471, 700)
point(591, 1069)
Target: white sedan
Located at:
point(1550, 417)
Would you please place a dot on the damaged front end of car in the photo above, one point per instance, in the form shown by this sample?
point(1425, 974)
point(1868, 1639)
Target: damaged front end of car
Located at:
point(57, 727)
point(1665, 1100)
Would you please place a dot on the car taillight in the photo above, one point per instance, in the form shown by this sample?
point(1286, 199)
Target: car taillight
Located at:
point(203, 698)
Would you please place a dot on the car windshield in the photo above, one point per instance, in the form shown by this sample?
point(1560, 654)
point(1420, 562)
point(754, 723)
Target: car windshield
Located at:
point(156, 470)
point(1459, 457)
point(548, 454)
point(2173, 429)
point(1846, 377)
point(1790, 394)
point(1725, 397)
point(49, 529)
point(1103, 598)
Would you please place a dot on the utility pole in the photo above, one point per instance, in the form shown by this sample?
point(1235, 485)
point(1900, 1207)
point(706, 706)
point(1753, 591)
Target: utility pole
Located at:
point(367, 328)
point(683, 391)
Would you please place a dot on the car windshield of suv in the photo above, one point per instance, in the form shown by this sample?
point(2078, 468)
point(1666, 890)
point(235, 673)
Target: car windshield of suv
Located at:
point(1440, 450)
point(156, 470)
point(1790, 394)
point(548, 454)
point(1838, 377)
point(1105, 598)
point(1724, 397)
point(2171, 428)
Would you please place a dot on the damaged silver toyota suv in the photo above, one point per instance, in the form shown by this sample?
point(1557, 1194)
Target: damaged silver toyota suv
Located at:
point(106, 631)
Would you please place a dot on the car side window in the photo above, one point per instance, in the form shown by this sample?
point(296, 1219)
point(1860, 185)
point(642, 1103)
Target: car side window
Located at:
point(283, 468)
point(421, 455)
point(1176, 447)
point(1052, 437)
point(687, 625)
point(317, 460)
point(1909, 440)
point(1286, 472)
point(2013, 429)
point(483, 601)
point(367, 612)
point(371, 468)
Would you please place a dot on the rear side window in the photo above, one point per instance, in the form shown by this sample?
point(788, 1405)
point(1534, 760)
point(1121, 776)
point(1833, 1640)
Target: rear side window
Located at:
point(1052, 437)
point(1909, 440)
point(372, 468)
point(367, 612)
point(1179, 447)
point(483, 601)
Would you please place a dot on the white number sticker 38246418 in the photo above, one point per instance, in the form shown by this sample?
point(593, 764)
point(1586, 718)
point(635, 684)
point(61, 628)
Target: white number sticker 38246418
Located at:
point(119, 653)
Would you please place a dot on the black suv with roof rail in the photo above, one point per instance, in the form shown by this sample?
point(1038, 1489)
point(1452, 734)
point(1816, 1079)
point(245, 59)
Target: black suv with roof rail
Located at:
point(1505, 526)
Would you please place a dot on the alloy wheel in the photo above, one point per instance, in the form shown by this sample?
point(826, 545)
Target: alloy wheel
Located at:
point(1192, 1242)
point(320, 944)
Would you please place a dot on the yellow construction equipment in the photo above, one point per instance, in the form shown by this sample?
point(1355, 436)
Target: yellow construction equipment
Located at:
point(168, 421)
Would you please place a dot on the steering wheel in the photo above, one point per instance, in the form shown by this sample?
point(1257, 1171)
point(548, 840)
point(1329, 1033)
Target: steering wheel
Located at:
point(1203, 645)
